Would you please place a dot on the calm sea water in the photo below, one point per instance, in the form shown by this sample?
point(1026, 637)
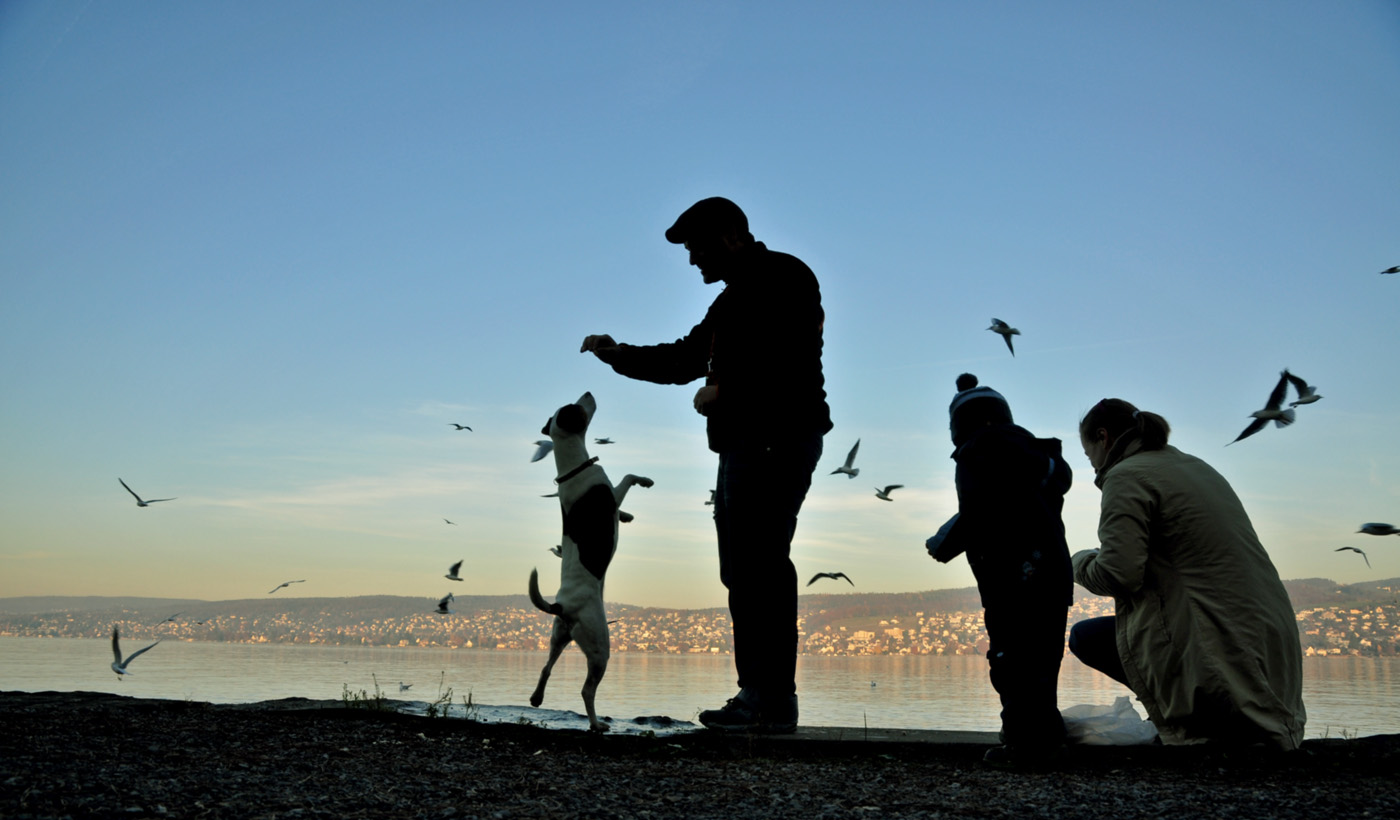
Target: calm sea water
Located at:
point(1348, 696)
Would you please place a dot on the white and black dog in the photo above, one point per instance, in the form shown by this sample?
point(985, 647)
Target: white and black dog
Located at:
point(589, 503)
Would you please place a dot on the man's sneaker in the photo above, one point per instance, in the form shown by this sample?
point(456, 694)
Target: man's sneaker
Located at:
point(780, 720)
point(742, 713)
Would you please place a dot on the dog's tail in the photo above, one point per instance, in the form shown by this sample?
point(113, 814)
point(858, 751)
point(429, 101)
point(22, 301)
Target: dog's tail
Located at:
point(538, 599)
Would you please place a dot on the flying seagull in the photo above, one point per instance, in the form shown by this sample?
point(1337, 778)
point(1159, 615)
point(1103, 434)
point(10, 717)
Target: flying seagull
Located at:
point(285, 584)
point(1272, 411)
point(1379, 529)
point(141, 502)
point(558, 551)
point(169, 620)
point(1354, 549)
point(442, 605)
point(711, 502)
point(1006, 331)
point(849, 467)
point(1395, 269)
point(453, 523)
point(832, 575)
point(543, 448)
point(119, 665)
point(452, 573)
point(459, 427)
point(884, 495)
point(603, 441)
point(1307, 393)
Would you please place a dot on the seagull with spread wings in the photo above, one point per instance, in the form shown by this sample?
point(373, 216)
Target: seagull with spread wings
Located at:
point(119, 665)
point(1006, 332)
point(1307, 393)
point(1354, 549)
point(285, 584)
point(884, 495)
point(140, 502)
point(835, 576)
point(849, 467)
point(452, 573)
point(1273, 411)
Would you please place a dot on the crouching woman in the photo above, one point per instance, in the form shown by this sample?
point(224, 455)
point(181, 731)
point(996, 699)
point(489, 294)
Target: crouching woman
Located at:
point(1203, 631)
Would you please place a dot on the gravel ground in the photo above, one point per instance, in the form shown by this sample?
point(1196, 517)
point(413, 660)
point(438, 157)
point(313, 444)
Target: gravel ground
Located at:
point(96, 755)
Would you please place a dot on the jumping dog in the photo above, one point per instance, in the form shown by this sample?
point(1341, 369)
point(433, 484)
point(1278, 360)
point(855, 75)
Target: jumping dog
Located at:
point(589, 503)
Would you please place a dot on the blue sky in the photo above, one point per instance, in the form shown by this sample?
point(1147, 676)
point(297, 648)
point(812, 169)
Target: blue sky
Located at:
point(259, 255)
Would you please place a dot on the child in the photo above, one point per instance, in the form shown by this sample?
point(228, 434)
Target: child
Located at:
point(1011, 488)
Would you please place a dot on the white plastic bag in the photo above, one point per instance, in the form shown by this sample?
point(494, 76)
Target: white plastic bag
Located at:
point(1116, 725)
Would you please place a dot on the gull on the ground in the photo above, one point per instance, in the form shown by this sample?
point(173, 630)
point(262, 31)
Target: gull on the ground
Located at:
point(1273, 411)
point(1354, 549)
point(140, 502)
point(849, 467)
point(452, 573)
point(285, 584)
point(884, 495)
point(459, 426)
point(1006, 331)
point(119, 665)
point(404, 687)
point(442, 605)
point(603, 441)
point(542, 449)
point(1379, 529)
point(1307, 393)
point(835, 576)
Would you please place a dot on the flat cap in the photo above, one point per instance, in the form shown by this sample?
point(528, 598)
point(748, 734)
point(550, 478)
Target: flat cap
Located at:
point(708, 217)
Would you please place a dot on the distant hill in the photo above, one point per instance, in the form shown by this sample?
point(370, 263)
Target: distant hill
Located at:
point(1305, 593)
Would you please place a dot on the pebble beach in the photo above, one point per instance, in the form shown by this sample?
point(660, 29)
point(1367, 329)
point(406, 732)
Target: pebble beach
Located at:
point(87, 755)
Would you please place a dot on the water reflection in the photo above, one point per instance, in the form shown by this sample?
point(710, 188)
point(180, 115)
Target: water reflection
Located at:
point(1344, 696)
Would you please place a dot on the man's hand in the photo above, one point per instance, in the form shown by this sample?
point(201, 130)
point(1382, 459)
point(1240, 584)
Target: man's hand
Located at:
point(704, 397)
point(601, 345)
point(592, 343)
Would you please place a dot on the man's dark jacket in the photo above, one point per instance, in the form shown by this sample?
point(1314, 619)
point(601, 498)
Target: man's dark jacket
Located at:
point(761, 344)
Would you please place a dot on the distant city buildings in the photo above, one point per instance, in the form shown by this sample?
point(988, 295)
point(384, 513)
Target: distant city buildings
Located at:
point(1364, 630)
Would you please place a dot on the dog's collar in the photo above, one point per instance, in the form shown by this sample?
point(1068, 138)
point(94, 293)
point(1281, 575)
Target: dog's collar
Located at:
point(575, 471)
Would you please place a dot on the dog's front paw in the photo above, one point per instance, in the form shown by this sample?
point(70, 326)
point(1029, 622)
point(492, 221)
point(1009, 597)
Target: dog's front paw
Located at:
point(643, 481)
point(536, 699)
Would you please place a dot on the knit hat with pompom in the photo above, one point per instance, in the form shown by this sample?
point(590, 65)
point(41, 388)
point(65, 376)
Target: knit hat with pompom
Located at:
point(973, 407)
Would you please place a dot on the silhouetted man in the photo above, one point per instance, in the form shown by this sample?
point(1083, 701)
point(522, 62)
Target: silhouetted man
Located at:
point(759, 350)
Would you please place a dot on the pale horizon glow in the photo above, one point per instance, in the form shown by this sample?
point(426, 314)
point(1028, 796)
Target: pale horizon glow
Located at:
point(260, 257)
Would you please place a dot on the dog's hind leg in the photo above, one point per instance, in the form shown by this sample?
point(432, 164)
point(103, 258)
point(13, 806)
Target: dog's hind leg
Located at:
point(620, 490)
point(597, 667)
point(591, 634)
point(557, 641)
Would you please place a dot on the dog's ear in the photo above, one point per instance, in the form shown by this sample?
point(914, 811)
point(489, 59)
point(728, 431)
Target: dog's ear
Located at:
point(572, 419)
